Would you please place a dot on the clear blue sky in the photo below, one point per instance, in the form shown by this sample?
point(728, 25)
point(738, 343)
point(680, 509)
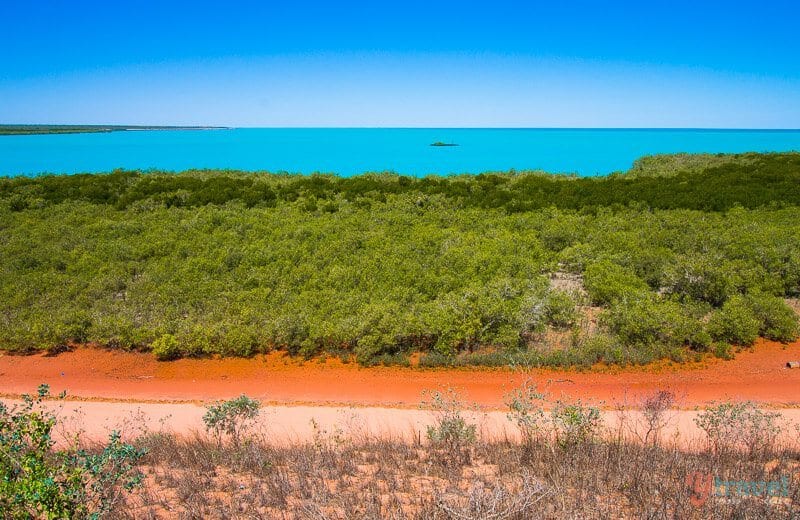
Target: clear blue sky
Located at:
point(646, 63)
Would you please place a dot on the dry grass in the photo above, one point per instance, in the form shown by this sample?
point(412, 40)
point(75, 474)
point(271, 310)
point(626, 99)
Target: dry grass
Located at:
point(334, 477)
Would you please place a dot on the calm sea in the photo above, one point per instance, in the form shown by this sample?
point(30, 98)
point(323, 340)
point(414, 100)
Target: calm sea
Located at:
point(353, 151)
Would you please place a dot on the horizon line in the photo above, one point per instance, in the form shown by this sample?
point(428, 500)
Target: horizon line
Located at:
point(390, 127)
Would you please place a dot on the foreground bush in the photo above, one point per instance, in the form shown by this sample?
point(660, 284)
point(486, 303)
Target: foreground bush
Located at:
point(231, 418)
point(451, 435)
point(575, 423)
point(570, 466)
point(732, 427)
point(38, 481)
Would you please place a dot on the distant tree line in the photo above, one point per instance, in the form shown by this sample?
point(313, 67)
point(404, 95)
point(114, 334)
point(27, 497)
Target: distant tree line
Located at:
point(747, 180)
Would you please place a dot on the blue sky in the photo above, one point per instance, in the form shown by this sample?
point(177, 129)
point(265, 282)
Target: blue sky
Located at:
point(508, 64)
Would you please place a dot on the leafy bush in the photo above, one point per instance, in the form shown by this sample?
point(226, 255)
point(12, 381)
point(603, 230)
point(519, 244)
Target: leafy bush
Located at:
point(575, 423)
point(560, 233)
point(735, 322)
point(778, 321)
point(560, 310)
point(231, 417)
point(37, 481)
point(701, 278)
point(723, 350)
point(606, 348)
point(653, 321)
point(451, 434)
point(400, 360)
point(166, 348)
point(607, 283)
point(740, 426)
point(526, 410)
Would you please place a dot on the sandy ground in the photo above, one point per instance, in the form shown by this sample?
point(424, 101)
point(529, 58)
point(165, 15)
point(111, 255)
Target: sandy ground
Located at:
point(122, 390)
point(95, 420)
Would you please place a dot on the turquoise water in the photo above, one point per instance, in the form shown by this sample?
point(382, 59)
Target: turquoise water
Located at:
point(353, 151)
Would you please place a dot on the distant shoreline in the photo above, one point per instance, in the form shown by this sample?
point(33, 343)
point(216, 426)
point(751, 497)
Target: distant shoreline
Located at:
point(91, 129)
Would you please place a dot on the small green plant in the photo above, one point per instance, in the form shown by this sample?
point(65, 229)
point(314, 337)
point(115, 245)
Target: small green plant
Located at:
point(739, 426)
point(575, 423)
point(37, 481)
point(723, 351)
point(560, 310)
point(231, 417)
point(451, 434)
point(526, 410)
point(166, 348)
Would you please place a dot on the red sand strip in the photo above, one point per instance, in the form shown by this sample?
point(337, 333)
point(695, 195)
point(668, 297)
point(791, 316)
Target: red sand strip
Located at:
point(757, 374)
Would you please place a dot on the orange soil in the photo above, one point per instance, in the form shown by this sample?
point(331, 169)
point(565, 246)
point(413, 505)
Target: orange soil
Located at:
point(757, 374)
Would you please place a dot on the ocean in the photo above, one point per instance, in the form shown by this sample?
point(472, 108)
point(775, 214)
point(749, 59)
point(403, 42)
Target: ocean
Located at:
point(350, 151)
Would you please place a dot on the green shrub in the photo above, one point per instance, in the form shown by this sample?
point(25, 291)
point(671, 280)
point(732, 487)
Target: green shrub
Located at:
point(723, 350)
point(239, 341)
point(605, 348)
point(740, 426)
point(575, 258)
point(700, 278)
point(451, 434)
point(166, 348)
point(607, 283)
point(560, 310)
point(778, 321)
point(735, 322)
point(234, 263)
point(561, 231)
point(653, 321)
point(231, 417)
point(371, 346)
point(436, 359)
point(648, 263)
point(575, 423)
point(198, 341)
point(399, 360)
point(38, 481)
point(526, 410)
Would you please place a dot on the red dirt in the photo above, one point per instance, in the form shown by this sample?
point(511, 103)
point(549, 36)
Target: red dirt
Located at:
point(757, 374)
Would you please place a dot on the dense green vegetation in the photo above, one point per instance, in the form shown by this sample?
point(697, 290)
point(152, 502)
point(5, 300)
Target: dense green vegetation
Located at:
point(682, 258)
point(748, 180)
point(79, 129)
